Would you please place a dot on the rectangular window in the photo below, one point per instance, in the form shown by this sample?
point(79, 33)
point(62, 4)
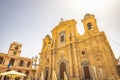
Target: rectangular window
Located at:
point(62, 38)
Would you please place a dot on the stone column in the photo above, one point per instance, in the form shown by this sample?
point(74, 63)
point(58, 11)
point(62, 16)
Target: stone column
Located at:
point(75, 60)
point(70, 62)
point(50, 65)
point(53, 61)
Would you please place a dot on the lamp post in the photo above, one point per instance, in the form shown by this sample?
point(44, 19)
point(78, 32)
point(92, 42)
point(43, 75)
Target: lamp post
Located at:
point(34, 59)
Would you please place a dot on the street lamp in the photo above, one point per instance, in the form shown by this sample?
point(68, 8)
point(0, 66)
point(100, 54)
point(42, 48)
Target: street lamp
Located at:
point(34, 59)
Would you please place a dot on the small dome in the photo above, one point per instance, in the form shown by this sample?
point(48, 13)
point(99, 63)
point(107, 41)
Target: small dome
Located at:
point(87, 15)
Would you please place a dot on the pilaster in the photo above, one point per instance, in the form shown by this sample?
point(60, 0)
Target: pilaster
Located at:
point(70, 62)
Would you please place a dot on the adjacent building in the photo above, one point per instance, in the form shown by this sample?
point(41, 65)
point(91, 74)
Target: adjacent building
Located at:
point(118, 65)
point(79, 57)
point(13, 61)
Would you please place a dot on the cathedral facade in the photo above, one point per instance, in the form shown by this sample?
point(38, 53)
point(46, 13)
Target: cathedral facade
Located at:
point(79, 57)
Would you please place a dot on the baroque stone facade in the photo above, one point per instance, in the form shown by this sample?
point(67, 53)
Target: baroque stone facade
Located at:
point(80, 57)
point(13, 61)
point(118, 65)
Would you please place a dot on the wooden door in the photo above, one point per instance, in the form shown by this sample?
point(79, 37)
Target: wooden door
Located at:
point(86, 73)
point(62, 70)
point(46, 77)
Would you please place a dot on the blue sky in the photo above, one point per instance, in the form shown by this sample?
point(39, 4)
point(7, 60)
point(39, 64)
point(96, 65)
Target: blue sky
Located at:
point(29, 21)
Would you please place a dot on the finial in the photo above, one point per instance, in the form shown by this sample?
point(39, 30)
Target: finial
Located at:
point(62, 19)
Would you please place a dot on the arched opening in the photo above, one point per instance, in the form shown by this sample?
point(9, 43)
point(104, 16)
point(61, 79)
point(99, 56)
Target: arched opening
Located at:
point(21, 63)
point(89, 25)
point(46, 77)
point(28, 64)
point(6, 78)
point(16, 47)
point(1, 60)
point(62, 70)
point(27, 73)
point(11, 63)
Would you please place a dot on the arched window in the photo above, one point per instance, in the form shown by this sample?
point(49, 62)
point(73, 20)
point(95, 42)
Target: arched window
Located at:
point(16, 47)
point(11, 63)
point(28, 64)
point(89, 25)
point(21, 63)
point(1, 60)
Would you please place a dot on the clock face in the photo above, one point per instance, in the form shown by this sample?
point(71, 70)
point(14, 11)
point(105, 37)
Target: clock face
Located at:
point(14, 53)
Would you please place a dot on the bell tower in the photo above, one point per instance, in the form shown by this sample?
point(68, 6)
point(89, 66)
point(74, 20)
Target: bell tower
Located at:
point(15, 49)
point(90, 25)
point(47, 42)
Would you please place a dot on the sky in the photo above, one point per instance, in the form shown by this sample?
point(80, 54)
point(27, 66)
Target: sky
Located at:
point(29, 21)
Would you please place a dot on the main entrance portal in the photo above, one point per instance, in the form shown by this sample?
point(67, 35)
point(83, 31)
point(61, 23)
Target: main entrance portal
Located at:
point(46, 78)
point(86, 73)
point(62, 70)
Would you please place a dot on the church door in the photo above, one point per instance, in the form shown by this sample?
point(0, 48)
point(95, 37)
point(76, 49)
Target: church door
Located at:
point(46, 78)
point(62, 70)
point(86, 72)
